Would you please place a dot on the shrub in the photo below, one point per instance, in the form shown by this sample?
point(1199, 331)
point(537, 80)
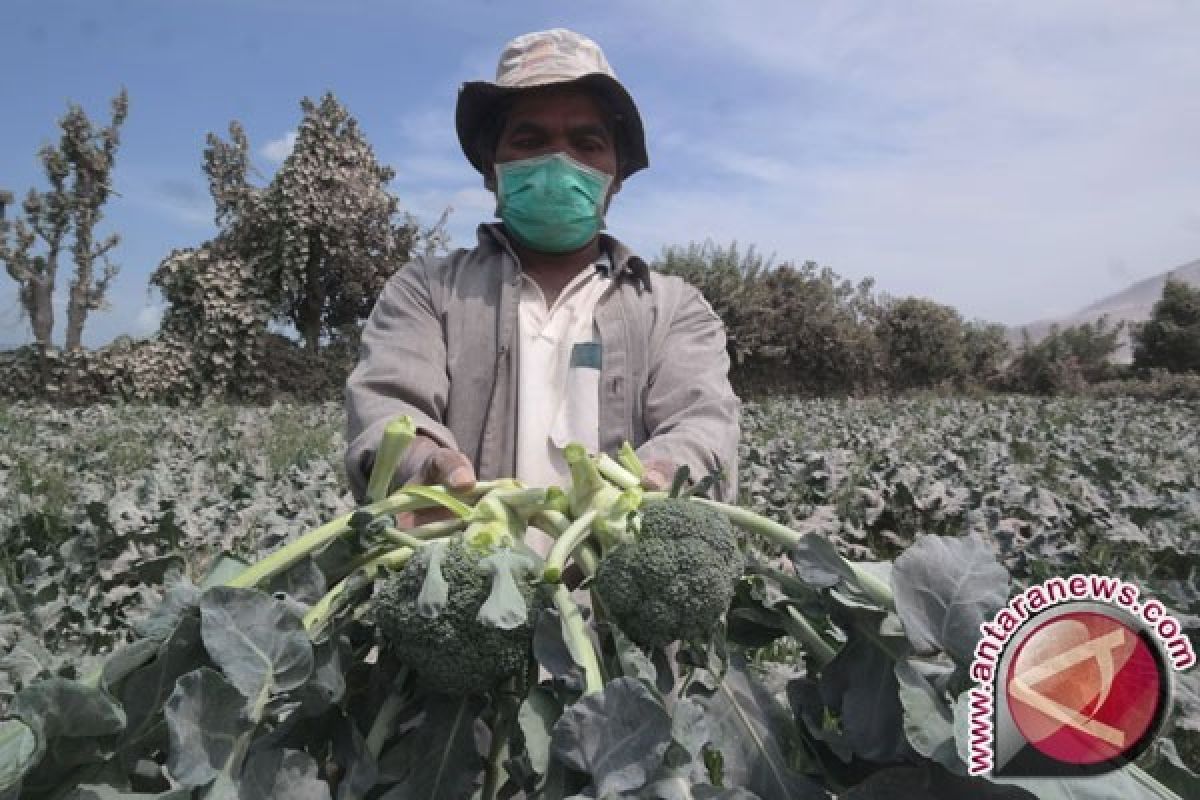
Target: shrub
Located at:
point(1066, 360)
point(923, 343)
point(1170, 339)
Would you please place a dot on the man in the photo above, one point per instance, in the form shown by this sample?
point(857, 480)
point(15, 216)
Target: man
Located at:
point(547, 331)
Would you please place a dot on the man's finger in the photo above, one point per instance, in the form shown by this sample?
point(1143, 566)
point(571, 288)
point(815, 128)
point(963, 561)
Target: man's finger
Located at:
point(657, 475)
point(407, 520)
point(451, 469)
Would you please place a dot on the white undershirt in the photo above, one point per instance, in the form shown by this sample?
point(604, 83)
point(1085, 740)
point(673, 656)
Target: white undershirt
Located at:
point(558, 397)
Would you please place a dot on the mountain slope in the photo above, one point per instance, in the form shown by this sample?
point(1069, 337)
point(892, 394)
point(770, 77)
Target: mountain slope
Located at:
point(1131, 305)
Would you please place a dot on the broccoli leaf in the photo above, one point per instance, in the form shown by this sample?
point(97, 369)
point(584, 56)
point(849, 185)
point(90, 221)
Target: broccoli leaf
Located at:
point(439, 759)
point(617, 736)
point(854, 707)
point(435, 592)
point(536, 719)
point(276, 774)
point(100, 792)
point(255, 640)
point(928, 718)
point(206, 721)
point(145, 691)
point(505, 607)
point(18, 753)
point(73, 723)
point(751, 731)
point(945, 588)
point(552, 652)
point(931, 782)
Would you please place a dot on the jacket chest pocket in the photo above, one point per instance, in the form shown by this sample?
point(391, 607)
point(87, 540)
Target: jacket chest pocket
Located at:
point(578, 416)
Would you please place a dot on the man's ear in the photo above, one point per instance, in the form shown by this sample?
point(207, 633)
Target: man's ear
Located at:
point(489, 174)
point(613, 188)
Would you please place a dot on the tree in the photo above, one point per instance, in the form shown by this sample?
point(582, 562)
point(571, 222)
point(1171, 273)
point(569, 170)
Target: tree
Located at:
point(923, 341)
point(47, 216)
point(79, 173)
point(1066, 359)
point(788, 327)
point(322, 237)
point(90, 153)
point(987, 351)
point(1170, 339)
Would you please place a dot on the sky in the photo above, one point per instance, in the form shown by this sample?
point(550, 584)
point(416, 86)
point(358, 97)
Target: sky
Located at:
point(1016, 160)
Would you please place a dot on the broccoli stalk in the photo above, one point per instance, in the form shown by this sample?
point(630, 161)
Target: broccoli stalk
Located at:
point(575, 535)
point(397, 436)
point(589, 490)
point(628, 458)
point(786, 538)
point(410, 498)
point(317, 620)
point(578, 640)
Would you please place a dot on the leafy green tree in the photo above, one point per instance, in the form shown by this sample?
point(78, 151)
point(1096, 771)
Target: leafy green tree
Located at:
point(987, 351)
point(729, 279)
point(1170, 339)
point(788, 327)
point(79, 172)
point(1067, 358)
point(923, 342)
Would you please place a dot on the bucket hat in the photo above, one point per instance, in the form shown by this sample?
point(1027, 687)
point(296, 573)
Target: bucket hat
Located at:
point(546, 58)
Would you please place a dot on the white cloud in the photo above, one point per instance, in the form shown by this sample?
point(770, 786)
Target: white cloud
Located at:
point(991, 160)
point(279, 149)
point(148, 319)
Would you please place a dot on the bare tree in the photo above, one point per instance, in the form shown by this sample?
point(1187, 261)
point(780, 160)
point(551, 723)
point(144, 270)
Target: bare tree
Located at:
point(47, 216)
point(90, 153)
point(78, 170)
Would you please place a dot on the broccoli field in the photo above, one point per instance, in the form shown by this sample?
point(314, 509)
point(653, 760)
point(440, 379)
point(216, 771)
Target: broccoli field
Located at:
point(118, 523)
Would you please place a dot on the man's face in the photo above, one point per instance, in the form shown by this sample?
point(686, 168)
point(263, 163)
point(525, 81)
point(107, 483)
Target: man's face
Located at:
point(559, 120)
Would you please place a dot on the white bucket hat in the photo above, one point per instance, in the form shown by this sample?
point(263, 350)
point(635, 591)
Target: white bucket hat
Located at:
point(544, 58)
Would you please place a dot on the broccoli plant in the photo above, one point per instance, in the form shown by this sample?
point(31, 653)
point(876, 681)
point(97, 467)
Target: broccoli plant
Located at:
point(368, 662)
point(459, 613)
point(675, 578)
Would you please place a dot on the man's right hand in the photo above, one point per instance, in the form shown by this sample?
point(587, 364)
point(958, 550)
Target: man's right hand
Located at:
point(435, 465)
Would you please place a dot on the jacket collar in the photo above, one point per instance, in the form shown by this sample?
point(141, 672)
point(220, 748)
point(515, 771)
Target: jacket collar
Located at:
point(625, 263)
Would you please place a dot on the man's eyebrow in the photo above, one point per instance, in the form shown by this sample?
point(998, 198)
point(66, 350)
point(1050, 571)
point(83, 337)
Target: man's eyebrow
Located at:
point(525, 126)
point(591, 129)
point(586, 129)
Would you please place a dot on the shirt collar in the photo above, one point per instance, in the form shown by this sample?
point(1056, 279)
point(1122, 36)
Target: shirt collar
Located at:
point(620, 260)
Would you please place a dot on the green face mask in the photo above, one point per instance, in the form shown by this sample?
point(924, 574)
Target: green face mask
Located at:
point(551, 203)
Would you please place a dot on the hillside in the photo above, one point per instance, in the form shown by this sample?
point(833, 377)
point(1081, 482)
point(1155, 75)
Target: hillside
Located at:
point(1132, 304)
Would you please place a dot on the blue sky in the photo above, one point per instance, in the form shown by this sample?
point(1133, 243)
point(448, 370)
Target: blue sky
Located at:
point(1017, 160)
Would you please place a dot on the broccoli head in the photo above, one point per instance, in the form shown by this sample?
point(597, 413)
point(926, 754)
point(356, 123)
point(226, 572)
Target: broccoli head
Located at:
point(675, 578)
point(457, 614)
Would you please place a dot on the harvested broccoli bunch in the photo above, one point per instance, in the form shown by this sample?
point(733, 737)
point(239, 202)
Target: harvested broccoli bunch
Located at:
point(458, 615)
point(675, 578)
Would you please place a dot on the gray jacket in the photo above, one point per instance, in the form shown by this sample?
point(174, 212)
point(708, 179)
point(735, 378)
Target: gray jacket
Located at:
point(441, 344)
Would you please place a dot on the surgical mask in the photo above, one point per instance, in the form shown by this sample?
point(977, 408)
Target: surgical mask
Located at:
point(551, 203)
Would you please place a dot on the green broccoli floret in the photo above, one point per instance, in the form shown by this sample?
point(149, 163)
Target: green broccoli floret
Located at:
point(675, 578)
point(478, 634)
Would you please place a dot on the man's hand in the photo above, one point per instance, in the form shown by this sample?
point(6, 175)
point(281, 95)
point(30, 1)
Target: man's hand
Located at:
point(657, 474)
point(441, 465)
point(438, 465)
